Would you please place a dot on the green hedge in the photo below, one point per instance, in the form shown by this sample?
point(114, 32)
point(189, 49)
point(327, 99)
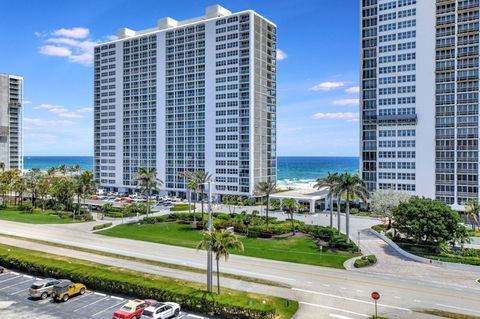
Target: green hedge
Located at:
point(101, 226)
point(181, 207)
point(231, 304)
point(365, 261)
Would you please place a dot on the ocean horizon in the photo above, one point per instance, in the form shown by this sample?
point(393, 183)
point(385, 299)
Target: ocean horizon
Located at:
point(293, 171)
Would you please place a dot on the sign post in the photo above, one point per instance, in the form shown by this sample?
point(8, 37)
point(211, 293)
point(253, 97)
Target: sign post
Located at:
point(375, 297)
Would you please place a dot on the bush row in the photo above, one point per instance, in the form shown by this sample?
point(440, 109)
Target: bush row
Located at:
point(365, 261)
point(95, 276)
point(101, 226)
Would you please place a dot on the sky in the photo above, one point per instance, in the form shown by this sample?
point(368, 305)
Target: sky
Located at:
point(50, 44)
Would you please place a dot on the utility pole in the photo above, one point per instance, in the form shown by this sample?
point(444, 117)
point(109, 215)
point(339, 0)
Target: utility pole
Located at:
point(209, 255)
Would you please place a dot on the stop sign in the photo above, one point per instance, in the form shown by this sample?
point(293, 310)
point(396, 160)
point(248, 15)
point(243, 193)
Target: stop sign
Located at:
point(375, 295)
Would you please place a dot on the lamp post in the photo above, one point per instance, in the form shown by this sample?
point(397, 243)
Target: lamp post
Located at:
point(359, 241)
point(209, 254)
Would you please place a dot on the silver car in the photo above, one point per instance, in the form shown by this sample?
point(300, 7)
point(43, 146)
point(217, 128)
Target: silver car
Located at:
point(42, 288)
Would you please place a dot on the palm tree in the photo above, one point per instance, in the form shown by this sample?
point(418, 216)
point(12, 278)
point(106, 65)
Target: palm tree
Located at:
point(329, 181)
point(148, 182)
point(2, 166)
point(350, 186)
point(291, 206)
point(43, 188)
point(33, 178)
point(19, 185)
point(221, 242)
point(192, 186)
point(267, 188)
point(63, 169)
point(472, 208)
point(201, 178)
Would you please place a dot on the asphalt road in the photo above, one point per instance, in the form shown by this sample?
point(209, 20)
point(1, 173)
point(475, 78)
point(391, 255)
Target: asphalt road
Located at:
point(322, 292)
point(15, 302)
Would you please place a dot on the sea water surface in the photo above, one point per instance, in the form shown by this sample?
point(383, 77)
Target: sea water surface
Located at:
point(294, 171)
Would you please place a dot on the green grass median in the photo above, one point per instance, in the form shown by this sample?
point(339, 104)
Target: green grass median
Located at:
point(296, 250)
point(47, 217)
point(192, 296)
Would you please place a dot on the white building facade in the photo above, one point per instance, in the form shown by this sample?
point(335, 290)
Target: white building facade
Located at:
point(419, 97)
point(11, 117)
point(193, 95)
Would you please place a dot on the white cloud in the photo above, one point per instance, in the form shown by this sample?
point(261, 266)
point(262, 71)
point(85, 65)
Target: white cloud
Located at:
point(77, 33)
point(70, 115)
point(353, 90)
point(54, 50)
point(59, 110)
point(346, 102)
point(346, 116)
point(327, 86)
point(281, 55)
point(42, 136)
point(42, 122)
point(85, 110)
point(111, 37)
point(70, 43)
point(27, 102)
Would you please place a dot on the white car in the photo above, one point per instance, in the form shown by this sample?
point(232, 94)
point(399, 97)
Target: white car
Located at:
point(161, 310)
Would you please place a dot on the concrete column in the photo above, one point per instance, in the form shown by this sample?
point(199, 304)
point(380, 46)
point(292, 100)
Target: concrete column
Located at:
point(312, 206)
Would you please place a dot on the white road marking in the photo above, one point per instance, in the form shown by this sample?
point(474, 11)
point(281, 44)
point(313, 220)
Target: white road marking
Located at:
point(89, 304)
point(325, 285)
point(181, 316)
point(27, 276)
point(343, 288)
point(118, 298)
point(14, 284)
point(396, 297)
point(17, 292)
point(416, 300)
point(195, 316)
point(42, 302)
point(309, 282)
point(114, 306)
point(9, 279)
point(351, 299)
point(339, 316)
point(99, 294)
point(333, 308)
point(459, 308)
point(14, 273)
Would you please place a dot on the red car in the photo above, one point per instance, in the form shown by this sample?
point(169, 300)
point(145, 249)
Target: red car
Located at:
point(133, 309)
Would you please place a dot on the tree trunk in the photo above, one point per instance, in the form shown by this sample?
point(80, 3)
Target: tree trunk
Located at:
point(339, 211)
point(266, 212)
point(331, 211)
point(218, 275)
point(203, 214)
point(347, 220)
point(293, 223)
point(194, 210)
point(148, 203)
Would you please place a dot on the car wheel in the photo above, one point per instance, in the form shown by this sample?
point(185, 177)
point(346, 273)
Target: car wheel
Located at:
point(44, 295)
point(65, 297)
point(177, 312)
point(82, 291)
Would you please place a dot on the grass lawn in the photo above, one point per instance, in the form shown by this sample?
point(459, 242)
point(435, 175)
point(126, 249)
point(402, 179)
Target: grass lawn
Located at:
point(297, 250)
point(14, 215)
point(447, 314)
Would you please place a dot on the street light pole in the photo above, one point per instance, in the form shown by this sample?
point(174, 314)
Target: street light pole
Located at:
point(209, 255)
point(359, 241)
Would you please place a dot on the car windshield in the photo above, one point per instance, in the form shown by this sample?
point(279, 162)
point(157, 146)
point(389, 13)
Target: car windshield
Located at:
point(126, 308)
point(148, 313)
point(34, 286)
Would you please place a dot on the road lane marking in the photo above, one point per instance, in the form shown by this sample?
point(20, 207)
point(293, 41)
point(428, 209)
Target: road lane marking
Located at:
point(114, 306)
point(9, 279)
point(15, 284)
point(325, 285)
point(17, 292)
point(117, 298)
point(416, 300)
point(339, 316)
point(459, 308)
point(89, 304)
point(195, 316)
point(333, 308)
point(14, 273)
point(350, 299)
point(27, 276)
point(99, 294)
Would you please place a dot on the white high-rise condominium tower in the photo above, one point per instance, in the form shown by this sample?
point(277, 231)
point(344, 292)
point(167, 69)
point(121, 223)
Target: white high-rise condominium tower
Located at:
point(192, 95)
point(419, 97)
point(11, 110)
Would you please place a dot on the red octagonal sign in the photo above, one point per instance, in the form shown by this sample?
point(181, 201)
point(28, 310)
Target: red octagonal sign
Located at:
point(375, 295)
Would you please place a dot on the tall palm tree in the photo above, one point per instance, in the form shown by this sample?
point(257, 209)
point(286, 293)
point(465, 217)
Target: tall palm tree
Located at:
point(290, 205)
point(63, 169)
point(472, 208)
point(33, 178)
point(350, 186)
point(19, 185)
point(43, 188)
point(267, 188)
point(148, 182)
point(221, 242)
point(330, 181)
point(201, 178)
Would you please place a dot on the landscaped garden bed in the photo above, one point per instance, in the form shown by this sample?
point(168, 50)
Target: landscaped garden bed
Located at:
point(314, 245)
point(365, 261)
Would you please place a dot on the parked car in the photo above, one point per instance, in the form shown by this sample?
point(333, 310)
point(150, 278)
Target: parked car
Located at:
point(2, 270)
point(42, 288)
point(133, 309)
point(161, 310)
point(66, 289)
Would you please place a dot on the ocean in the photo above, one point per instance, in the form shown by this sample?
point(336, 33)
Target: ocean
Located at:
point(293, 171)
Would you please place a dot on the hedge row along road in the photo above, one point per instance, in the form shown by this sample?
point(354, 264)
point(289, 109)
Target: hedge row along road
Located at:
point(320, 291)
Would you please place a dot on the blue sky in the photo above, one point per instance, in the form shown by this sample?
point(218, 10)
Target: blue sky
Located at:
point(49, 43)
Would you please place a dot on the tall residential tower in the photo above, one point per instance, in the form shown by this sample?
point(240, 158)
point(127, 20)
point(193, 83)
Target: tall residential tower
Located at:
point(11, 101)
point(419, 97)
point(198, 94)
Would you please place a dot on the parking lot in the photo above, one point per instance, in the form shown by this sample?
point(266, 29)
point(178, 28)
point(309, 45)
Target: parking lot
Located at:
point(15, 302)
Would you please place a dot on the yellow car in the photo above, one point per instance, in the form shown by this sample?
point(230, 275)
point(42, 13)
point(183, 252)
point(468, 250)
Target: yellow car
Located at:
point(66, 289)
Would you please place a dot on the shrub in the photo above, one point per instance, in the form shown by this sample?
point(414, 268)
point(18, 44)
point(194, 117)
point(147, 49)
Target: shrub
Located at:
point(101, 226)
point(104, 278)
point(365, 261)
point(26, 207)
point(379, 228)
point(181, 207)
